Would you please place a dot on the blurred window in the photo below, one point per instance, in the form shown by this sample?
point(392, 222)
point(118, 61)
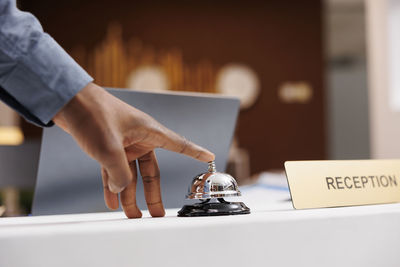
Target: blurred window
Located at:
point(394, 53)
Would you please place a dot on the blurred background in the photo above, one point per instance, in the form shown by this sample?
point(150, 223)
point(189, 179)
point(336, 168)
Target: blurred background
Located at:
point(299, 68)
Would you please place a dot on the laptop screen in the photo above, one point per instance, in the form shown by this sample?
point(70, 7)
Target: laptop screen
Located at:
point(69, 181)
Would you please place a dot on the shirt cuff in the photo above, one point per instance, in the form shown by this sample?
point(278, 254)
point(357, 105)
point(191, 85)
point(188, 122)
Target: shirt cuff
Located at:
point(46, 79)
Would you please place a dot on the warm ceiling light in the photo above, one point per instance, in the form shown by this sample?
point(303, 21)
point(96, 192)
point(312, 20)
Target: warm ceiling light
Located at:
point(149, 78)
point(240, 81)
point(11, 136)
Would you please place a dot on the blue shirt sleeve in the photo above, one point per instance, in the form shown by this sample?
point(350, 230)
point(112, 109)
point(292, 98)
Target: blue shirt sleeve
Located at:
point(37, 77)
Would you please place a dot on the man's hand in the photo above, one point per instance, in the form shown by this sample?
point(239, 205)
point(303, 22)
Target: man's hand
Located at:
point(118, 135)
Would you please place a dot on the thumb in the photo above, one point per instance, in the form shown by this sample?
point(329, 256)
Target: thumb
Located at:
point(118, 170)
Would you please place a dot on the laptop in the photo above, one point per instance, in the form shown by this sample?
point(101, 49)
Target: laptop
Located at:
point(69, 181)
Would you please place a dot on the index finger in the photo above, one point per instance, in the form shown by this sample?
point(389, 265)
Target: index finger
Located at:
point(176, 143)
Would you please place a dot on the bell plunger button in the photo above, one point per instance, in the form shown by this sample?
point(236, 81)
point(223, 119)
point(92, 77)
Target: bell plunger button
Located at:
point(210, 188)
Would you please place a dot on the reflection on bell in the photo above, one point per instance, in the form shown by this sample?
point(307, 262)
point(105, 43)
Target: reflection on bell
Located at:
point(210, 188)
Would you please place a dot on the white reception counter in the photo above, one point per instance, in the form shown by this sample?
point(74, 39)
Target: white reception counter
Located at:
point(273, 235)
point(356, 236)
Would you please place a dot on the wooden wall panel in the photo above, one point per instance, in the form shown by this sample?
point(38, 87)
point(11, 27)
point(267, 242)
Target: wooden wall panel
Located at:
point(280, 40)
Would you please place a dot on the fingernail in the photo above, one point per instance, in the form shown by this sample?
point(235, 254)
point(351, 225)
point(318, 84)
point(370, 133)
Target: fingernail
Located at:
point(208, 156)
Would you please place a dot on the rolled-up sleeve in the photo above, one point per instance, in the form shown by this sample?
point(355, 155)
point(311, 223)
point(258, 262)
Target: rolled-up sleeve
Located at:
point(37, 77)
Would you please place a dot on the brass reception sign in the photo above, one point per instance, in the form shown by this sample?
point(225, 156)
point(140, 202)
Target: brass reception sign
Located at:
point(336, 183)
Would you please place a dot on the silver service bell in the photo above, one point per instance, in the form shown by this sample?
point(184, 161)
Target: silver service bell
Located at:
point(210, 188)
point(213, 184)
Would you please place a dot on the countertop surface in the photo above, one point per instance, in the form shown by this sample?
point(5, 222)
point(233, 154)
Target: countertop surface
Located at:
point(273, 234)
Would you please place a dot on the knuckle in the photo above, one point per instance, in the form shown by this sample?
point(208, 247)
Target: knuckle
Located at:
point(199, 154)
point(184, 146)
point(151, 179)
point(157, 130)
point(145, 158)
point(129, 203)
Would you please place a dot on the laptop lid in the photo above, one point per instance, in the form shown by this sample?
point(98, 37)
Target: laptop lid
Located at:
point(69, 181)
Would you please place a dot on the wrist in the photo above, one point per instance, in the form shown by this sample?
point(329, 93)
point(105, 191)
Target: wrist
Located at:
point(78, 108)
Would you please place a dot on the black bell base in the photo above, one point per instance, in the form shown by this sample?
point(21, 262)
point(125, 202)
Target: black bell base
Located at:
point(214, 209)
